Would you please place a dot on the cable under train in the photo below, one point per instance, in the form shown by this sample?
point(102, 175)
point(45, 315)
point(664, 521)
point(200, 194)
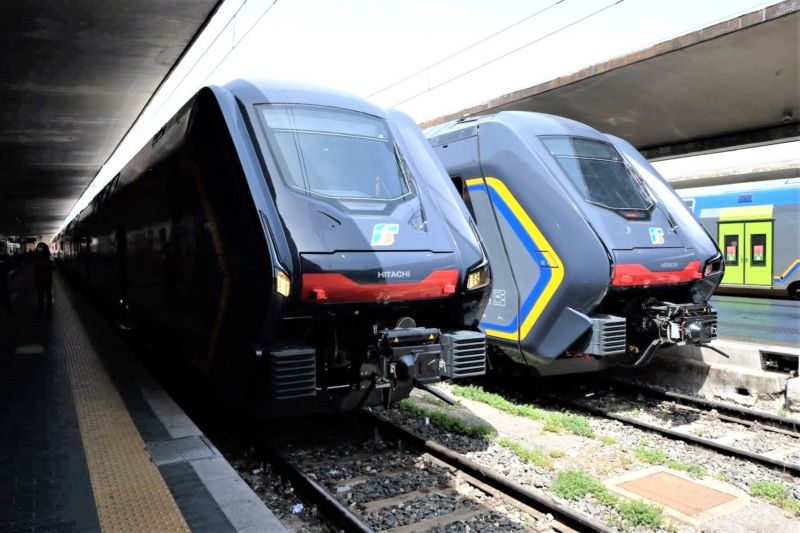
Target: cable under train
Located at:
point(596, 262)
point(301, 248)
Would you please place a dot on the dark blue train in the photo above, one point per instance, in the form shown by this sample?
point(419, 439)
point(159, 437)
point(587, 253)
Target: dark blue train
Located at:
point(595, 259)
point(300, 248)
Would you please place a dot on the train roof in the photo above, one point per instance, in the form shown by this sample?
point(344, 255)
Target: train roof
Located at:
point(536, 123)
point(260, 91)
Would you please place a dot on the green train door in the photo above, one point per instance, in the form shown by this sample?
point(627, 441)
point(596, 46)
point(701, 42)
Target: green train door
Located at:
point(758, 260)
point(731, 240)
point(747, 248)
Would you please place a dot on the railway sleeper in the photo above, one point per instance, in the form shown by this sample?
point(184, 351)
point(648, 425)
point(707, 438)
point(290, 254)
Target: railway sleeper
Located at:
point(443, 520)
point(379, 475)
point(419, 494)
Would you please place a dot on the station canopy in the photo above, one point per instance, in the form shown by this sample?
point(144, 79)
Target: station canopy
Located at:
point(77, 75)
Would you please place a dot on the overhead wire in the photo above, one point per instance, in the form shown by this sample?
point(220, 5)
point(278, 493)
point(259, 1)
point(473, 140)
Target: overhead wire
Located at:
point(473, 45)
point(510, 52)
point(93, 182)
point(256, 23)
point(233, 18)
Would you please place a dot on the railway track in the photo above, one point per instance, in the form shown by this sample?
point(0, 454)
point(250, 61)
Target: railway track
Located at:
point(401, 482)
point(724, 411)
point(367, 474)
point(752, 435)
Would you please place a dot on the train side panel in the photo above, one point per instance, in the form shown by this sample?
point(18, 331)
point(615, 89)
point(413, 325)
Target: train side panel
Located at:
point(179, 255)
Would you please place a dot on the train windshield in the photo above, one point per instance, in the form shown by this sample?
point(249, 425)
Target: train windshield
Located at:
point(336, 153)
point(598, 172)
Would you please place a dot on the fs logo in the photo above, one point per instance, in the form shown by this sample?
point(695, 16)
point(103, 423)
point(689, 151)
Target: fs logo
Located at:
point(383, 234)
point(656, 236)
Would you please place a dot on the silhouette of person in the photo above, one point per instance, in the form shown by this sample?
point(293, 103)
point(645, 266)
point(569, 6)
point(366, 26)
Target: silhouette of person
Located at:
point(43, 275)
point(5, 297)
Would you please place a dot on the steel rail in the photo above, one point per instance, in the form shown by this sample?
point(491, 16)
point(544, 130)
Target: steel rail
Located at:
point(566, 516)
point(707, 443)
point(742, 413)
point(332, 511)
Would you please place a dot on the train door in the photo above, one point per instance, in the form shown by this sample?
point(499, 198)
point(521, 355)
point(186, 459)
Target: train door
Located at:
point(758, 261)
point(748, 252)
point(731, 237)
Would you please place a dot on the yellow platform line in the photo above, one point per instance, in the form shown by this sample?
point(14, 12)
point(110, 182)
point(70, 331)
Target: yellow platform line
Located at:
point(129, 491)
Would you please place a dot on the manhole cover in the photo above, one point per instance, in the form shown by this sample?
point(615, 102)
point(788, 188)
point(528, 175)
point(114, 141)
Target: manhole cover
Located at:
point(180, 450)
point(677, 493)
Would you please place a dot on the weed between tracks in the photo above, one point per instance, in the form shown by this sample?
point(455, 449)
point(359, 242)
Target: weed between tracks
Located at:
point(656, 456)
point(447, 422)
point(775, 493)
point(574, 485)
point(554, 422)
point(568, 484)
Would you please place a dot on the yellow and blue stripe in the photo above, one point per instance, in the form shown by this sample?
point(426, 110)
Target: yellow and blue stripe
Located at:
point(551, 271)
point(788, 272)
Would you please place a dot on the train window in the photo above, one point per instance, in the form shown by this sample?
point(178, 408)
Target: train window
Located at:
point(758, 250)
point(598, 172)
point(731, 250)
point(336, 153)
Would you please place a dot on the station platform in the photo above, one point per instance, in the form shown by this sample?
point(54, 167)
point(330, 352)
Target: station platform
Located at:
point(91, 442)
point(755, 361)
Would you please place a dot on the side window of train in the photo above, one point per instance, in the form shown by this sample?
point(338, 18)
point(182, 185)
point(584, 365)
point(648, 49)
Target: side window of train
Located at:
point(461, 187)
point(732, 250)
point(758, 250)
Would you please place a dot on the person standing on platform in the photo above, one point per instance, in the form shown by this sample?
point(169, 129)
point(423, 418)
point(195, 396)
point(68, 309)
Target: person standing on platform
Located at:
point(43, 266)
point(5, 297)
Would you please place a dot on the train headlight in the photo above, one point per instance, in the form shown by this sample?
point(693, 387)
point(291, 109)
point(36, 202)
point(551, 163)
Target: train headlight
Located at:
point(713, 266)
point(283, 285)
point(479, 276)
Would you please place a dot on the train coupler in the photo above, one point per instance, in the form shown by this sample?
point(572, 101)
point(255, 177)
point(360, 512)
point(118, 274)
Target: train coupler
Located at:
point(426, 355)
point(681, 323)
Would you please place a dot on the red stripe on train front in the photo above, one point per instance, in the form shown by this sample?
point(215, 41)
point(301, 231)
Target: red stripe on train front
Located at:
point(334, 288)
point(638, 275)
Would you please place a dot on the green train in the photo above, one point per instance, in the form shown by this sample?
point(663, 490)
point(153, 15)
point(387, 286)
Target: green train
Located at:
point(756, 227)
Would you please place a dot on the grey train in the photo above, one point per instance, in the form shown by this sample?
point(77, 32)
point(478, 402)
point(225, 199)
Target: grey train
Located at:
point(301, 249)
point(596, 261)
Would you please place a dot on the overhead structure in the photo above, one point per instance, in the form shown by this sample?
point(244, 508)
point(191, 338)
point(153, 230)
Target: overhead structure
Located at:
point(733, 84)
point(74, 78)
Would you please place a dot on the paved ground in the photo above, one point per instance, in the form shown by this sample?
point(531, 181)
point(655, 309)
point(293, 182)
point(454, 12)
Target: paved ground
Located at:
point(758, 320)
